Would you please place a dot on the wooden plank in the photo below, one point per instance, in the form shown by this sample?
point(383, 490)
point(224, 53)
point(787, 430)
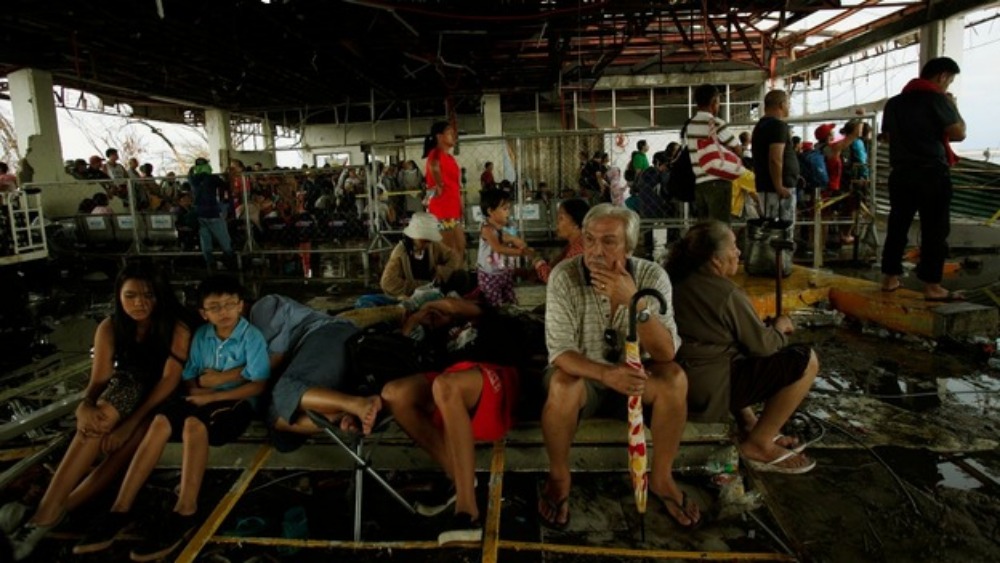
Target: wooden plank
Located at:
point(491, 532)
point(902, 310)
point(228, 502)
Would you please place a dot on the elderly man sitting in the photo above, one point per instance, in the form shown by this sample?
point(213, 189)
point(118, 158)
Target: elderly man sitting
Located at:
point(585, 323)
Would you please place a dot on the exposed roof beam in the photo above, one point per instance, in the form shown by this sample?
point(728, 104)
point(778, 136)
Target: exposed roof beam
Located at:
point(880, 30)
point(624, 82)
point(633, 28)
point(746, 41)
point(680, 29)
point(801, 35)
point(710, 24)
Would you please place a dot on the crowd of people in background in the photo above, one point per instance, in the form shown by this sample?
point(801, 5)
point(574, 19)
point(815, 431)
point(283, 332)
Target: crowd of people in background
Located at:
point(725, 181)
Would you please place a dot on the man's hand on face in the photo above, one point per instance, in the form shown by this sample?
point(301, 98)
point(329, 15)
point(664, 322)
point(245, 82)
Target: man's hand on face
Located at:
point(613, 281)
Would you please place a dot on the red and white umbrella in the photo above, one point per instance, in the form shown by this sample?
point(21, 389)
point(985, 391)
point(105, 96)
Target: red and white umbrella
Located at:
point(637, 464)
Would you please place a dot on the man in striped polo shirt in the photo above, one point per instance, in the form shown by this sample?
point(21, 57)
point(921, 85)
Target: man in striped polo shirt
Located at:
point(586, 319)
point(706, 136)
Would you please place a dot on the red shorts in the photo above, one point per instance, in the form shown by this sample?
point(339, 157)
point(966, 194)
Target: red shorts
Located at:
point(493, 415)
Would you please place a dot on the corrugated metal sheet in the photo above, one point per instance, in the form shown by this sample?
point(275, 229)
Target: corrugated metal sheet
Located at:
point(976, 182)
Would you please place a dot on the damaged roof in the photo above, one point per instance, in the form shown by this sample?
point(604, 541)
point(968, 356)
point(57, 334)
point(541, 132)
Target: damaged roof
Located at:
point(273, 56)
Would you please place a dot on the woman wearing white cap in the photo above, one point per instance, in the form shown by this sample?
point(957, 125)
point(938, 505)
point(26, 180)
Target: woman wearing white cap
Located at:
point(419, 259)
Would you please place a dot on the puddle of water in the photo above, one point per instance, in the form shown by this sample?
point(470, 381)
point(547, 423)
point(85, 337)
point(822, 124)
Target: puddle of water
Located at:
point(929, 470)
point(976, 390)
point(954, 477)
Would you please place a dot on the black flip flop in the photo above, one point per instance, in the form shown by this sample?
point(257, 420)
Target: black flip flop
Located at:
point(683, 506)
point(556, 507)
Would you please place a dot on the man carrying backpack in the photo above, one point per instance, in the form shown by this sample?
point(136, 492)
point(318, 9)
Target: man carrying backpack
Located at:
point(715, 156)
point(776, 166)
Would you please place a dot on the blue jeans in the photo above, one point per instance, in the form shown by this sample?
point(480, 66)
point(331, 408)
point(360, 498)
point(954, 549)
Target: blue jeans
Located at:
point(213, 228)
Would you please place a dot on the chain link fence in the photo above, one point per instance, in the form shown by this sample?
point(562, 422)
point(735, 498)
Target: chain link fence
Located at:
point(339, 222)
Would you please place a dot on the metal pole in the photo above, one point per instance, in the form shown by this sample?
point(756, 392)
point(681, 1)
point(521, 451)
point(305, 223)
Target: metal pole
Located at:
point(817, 229)
point(652, 108)
point(576, 112)
point(359, 484)
point(614, 108)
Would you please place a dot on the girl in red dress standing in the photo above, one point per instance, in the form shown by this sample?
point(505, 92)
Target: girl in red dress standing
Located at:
point(443, 185)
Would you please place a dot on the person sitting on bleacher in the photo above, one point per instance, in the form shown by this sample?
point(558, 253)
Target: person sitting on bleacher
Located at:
point(8, 181)
point(101, 204)
point(472, 399)
point(586, 318)
point(307, 355)
point(421, 259)
point(733, 360)
point(139, 353)
point(569, 227)
point(226, 371)
point(186, 221)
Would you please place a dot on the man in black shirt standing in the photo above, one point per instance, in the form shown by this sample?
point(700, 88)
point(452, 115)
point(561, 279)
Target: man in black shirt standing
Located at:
point(775, 165)
point(918, 124)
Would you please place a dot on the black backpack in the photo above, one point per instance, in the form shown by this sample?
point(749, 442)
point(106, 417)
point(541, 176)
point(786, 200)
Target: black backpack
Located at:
point(380, 353)
point(680, 185)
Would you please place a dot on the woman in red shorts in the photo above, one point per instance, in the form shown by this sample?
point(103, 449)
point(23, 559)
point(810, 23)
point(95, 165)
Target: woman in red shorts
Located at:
point(443, 184)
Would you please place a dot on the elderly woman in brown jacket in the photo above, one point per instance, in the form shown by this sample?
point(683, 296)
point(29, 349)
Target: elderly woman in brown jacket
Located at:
point(732, 359)
point(420, 258)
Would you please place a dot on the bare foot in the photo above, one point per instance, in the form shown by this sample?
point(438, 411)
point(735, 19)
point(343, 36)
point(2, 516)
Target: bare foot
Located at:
point(891, 283)
point(368, 413)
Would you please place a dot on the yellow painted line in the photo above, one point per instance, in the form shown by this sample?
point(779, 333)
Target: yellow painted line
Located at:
point(828, 202)
point(583, 550)
point(491, 533)
point(992, 219)
point(327, 544)
point(644, 553)
point(204, 534)
point(989, 293)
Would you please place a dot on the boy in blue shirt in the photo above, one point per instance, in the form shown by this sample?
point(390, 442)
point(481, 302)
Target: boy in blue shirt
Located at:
point(227, 369)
